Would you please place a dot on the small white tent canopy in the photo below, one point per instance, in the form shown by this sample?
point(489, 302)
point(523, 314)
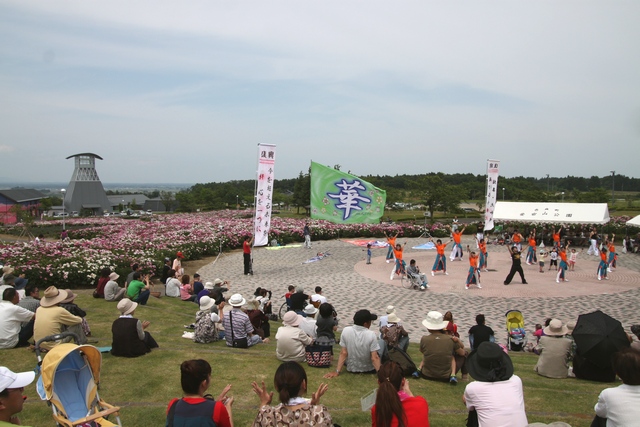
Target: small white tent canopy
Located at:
point(634, 221)
point(584, 213)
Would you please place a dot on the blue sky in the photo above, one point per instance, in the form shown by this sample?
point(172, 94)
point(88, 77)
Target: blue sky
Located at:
point(183, 92)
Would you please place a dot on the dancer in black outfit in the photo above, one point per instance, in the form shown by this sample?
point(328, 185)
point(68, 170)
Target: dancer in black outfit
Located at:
point(516, 266)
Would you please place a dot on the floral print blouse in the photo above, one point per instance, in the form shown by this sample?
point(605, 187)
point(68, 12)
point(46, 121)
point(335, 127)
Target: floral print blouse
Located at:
point(282, 416)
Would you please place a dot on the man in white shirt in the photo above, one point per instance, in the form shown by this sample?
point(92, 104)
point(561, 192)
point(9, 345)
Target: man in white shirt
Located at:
point(318, 298)
point(12, 317)
point(360, 346)
point(621, 405)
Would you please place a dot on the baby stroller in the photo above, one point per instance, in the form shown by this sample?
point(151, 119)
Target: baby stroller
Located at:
point(516, 335)
point(69, 380)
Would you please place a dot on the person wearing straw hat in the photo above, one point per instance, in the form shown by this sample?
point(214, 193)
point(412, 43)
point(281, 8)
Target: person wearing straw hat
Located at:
point(438, 349)
point(291, 340)
point(51, 319)
point(393, 334)
point(129, 336)
point(554, 350)
point(237, 325)
point(112, 291)
point(205, 329)
point(11, 394)
point(83, 330)
point(496, 395)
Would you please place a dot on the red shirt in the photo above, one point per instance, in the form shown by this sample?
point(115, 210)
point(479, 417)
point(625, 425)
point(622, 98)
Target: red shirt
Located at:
point(220, 414)
point(416, 409)
point(246, 247)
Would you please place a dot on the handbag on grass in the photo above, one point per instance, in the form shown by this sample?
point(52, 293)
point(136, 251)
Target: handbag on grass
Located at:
point(240, 342)
point(319, 356)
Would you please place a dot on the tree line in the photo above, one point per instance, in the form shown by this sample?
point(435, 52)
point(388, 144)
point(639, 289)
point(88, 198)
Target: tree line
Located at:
point(435, 191)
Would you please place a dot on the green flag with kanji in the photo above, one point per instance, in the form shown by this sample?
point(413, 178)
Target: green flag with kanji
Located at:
point(343, 198)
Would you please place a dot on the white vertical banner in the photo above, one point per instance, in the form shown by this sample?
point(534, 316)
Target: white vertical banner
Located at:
point(492, 192)
point(264, 193)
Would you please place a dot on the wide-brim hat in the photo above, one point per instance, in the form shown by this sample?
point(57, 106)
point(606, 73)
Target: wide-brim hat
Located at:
point(252, 304)
point(126, 306)
point(208, 286)
point(556, 328)
point(434, 321)
point(218, 281)
point(206, 303)
point(393, 318)
point(237, 300)
point(310, 309)
point(70, 297)
point(291, 318)
point(489, 363)
point(10, 379)
point(53, 296)
point(390, 309)
point(114, 276)
point(7, 269)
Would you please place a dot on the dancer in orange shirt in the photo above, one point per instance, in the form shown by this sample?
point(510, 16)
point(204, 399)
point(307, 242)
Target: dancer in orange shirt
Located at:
point(456, 250)
point(562, 253)
point(473, 278)
point(391, 240)
point(531, 252)
point(441, 259)
point(613, 256)
point(602, 267)
point(482, 248)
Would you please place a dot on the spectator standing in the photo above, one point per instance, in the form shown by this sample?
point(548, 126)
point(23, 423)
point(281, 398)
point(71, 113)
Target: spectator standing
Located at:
point(307, 235)
point(246, 255)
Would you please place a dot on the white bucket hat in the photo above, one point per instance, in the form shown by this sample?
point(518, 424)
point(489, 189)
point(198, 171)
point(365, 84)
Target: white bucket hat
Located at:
point(236, 300)
point(208, 286)
point(310, 309)
point(393, 318)
point(434, 321)
point(206, 303)
point(390, 309)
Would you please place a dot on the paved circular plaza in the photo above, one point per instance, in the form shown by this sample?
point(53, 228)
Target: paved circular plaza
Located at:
point(350, 284)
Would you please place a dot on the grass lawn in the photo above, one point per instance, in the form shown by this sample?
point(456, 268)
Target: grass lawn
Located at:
point(143, 386)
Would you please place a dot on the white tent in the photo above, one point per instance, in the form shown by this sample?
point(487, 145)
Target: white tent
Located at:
point(634, 221)
point(584, 213)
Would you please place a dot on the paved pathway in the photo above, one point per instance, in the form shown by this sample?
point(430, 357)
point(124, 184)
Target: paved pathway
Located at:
point(350, 284)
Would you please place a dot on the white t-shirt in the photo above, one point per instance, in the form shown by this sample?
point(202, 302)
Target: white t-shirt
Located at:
point(172, 288)
point(11, 319)
point(360, 343)
point(308, 325)
point(498, 404)
point(619, 405)
point(318, 297)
